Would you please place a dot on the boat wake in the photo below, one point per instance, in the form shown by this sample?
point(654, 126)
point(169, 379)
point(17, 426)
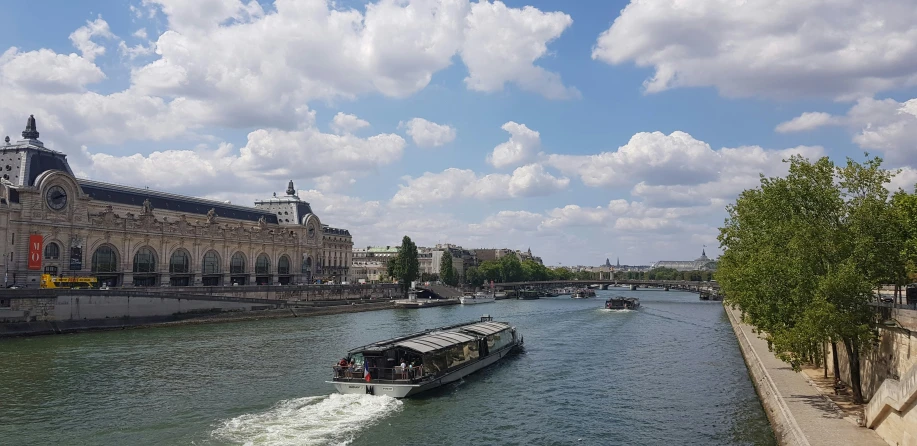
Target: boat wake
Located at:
point(608, 310)
point(329, 419)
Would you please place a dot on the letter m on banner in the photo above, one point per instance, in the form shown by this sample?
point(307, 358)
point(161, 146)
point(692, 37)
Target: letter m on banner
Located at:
point(35, 242)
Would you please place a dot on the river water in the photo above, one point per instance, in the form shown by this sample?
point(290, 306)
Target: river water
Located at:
point(669, 373)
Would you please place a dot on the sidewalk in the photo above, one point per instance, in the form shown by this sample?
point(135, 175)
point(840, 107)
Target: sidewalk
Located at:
point(799, 412)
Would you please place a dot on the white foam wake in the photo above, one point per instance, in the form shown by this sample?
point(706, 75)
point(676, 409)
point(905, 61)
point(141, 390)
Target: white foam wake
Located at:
point(314, 420)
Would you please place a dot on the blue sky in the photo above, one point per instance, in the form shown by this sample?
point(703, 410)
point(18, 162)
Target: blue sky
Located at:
point(229, 100)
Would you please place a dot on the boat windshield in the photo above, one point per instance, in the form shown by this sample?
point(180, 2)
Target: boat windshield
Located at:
point(357, 359)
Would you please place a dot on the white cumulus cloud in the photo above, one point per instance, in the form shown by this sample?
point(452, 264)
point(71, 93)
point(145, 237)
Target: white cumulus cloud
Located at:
point(345, 123)
point(805, 121)
point(841, 49)
point(82, 38)
point(523, 145)
point(502, 45)
point(438, 188)
point(428, 134)
point(885, 125)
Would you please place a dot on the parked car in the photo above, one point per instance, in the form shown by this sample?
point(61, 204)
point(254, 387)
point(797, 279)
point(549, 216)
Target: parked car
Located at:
point(887, 299)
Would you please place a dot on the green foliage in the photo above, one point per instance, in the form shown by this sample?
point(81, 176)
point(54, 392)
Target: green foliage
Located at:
point(473, 277)
point(562, 273)
point(447, 271)
point(404, 266)
point(802, 254)
point(511, 269)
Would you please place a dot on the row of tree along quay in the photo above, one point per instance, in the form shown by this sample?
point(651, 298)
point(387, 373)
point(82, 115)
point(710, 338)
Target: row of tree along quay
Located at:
point(805, 255)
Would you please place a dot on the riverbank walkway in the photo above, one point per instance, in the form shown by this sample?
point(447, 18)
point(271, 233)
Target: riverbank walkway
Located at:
point(806, 416)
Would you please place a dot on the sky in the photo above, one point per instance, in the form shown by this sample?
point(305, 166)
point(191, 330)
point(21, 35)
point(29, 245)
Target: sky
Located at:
point(584, 130)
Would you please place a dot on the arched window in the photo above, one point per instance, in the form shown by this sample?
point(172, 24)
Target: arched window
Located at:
point(263, 265)
point(52, 251)
point(145, 261)
point(237, 264)
point(180, 262)
point(104, 260)
point(307, 265)
point(283, 266)
point(211, 263)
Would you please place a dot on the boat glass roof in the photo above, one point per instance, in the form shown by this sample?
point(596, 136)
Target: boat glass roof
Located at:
point(435, 341)
point(485, 328)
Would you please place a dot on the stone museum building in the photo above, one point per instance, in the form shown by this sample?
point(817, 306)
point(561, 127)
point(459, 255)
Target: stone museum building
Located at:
point(55, 223)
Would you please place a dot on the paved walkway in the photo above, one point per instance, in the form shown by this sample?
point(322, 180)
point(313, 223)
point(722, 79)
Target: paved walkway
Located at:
point(813, 414)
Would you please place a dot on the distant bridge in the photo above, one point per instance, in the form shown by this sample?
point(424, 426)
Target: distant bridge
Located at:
point(678, 284)
point(707, 290)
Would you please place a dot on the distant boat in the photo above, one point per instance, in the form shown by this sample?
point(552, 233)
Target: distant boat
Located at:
point(622, 303)
point(477, 298)
point(583, 293)
point(432, 358)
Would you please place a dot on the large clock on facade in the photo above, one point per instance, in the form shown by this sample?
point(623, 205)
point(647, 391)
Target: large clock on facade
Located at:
point(311, 231)
point(56, 197)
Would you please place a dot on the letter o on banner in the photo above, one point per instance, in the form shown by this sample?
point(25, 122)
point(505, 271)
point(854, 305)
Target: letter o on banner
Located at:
point(35, 250)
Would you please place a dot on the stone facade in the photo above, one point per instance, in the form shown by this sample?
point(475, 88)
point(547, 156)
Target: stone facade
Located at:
point(369, 264)
point(130, 236)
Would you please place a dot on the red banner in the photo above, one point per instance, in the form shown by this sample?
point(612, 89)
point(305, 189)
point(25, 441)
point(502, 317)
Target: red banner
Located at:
point(35, 242)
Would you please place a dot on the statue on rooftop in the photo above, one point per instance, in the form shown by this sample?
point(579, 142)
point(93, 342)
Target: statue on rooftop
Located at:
point(290, 189)
point(30, 132)
point(211, 215)
point(147, 207)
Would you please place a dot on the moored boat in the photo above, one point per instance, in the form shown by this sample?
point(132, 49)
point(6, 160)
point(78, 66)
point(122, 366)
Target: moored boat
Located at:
point(583, 293)
point(415, 363)
point(477, 298)
point(622, 303)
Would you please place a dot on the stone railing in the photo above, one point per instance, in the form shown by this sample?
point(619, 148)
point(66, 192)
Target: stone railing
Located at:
point(891, 411)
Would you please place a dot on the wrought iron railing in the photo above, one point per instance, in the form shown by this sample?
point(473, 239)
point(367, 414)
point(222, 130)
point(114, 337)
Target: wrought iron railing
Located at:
point(394, 374)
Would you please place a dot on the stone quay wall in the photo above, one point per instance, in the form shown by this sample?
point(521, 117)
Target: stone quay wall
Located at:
point(60, 310)
point(893, 357)
point(888, 373)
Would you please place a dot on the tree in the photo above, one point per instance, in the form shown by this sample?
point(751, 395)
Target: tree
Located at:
point(562, 273)
point(473, 277)
point(404, 266)
point(447, 271)
point(510, 268)
point(533, 271)
point(803, 253)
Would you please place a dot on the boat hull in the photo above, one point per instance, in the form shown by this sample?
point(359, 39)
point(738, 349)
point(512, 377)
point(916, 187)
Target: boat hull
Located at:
point(406, 390)
point(465, 300)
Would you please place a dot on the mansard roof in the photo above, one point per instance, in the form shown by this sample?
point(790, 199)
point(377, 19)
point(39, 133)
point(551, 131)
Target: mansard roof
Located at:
point(132, 196)
point(334, 231)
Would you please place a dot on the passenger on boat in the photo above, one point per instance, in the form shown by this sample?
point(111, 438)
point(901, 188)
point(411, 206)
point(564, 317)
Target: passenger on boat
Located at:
point(403, 369)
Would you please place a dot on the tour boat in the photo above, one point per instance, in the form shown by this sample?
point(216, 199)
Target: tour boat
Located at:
point(415, 363)
point(477, 298)
point(622, 303)
point(583, 293)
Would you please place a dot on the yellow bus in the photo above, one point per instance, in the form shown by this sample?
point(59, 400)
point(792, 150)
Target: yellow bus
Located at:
point(49, 281)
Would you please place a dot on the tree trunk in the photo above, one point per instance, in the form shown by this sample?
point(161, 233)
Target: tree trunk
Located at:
point(824, 352)
point(837, 367)
point(853, 360)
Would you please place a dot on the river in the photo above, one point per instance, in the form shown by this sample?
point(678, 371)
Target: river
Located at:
point(669, 373)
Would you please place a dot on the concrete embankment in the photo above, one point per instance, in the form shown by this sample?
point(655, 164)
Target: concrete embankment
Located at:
point(50, 311)
point(47, 327)
point(798, 412)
